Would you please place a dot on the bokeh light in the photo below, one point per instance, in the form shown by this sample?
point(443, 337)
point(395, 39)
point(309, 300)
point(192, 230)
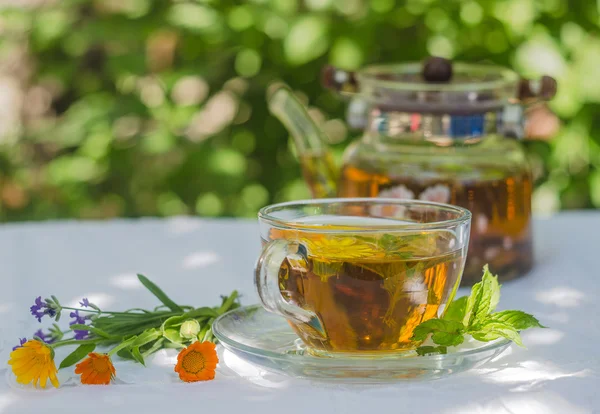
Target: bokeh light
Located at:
point(139, 107)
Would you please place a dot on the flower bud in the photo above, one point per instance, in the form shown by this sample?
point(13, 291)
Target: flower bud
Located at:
point(189, 329)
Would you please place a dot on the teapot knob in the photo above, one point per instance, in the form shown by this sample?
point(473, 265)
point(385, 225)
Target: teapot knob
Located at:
point(437, 70)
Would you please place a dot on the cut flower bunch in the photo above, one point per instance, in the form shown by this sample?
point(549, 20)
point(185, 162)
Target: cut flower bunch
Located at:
point(133, 334)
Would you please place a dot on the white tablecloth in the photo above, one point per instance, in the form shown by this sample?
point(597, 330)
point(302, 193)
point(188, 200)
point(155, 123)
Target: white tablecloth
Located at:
point(196, 260)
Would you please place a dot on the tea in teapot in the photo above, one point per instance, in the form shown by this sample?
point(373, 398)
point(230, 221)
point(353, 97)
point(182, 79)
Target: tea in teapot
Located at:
point(440, 132)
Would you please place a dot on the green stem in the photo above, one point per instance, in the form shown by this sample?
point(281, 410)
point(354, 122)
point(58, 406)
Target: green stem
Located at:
point(76, 342)
point(227, 304)
point(122, 345)
point(102, 312)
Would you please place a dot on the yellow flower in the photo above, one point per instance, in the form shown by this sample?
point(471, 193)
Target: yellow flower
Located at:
point(342, 248)
point(34, 363)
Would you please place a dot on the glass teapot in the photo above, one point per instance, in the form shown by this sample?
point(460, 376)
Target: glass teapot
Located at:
point(433, 131)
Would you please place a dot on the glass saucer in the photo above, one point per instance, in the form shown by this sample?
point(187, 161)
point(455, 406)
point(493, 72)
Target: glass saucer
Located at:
point(267, 340)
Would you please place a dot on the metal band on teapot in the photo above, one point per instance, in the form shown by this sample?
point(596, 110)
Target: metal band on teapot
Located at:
point(411, 126)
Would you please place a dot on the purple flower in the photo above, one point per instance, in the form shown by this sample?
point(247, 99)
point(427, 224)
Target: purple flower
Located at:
point(85, 303)
point(78, 320)
point(21, 343)
point(80, 334)
point(36, 309)
point(41, 308)
point(45, 338)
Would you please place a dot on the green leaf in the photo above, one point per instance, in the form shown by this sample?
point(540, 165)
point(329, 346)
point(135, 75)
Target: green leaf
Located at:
point(173, 336)
point(456, 310)
point(207, 335)
point(155, 347)
point(173, 321)
point(447, 338)
point(173, 345)
point(228, 302)
point(431, 326)
point(138, 310)
point(135, 352)
point(490, 331)
point(148, 335)
point(483, 299)
point(428, 350)
point(156, 291)
point(517, 319)
point(200, 312)
point(125, 354)
point(77, 355)
point(123, 345)
point(389, 242)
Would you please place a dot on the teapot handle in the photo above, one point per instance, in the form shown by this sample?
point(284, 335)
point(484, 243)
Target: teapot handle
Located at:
point(532, 91)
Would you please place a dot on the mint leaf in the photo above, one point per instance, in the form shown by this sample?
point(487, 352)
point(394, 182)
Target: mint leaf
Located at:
point(483, 299)
point(517, 319)
point(491, 330)
point(447, 338)
point(439, 327)
point(474, 315)
point(456, 310)
point(429, 350)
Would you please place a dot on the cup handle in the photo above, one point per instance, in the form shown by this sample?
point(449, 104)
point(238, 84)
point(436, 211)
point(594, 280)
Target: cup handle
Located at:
point(266, 278)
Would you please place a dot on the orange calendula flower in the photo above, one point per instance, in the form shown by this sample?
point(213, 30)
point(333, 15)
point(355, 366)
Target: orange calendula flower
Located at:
point(96, 369)
point(197, 362)
point(34, 363)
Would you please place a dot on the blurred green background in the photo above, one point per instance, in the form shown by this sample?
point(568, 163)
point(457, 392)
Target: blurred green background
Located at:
point(157, 107)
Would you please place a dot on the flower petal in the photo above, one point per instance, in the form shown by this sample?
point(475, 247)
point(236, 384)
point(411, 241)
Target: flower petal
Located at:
point(83, 366)
point(21, 362)
point(43, 376)
point(90, 378)
point(28, 377)
point(53, 378)
point(25, 368)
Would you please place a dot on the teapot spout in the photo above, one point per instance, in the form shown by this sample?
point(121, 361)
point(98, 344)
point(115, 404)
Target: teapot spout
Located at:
point(316, 161)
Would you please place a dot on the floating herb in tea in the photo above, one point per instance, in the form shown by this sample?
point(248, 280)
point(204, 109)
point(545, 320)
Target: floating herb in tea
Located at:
point(370, 291)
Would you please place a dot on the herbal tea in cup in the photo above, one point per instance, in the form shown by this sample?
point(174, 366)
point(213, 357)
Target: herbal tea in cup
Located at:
point(358, 275)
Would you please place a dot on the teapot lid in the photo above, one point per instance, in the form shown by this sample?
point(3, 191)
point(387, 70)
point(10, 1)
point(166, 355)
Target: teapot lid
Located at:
point(438, 86)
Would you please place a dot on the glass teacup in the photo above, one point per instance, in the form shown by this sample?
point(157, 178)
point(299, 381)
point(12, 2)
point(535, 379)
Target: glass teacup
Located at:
point(357, 275)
